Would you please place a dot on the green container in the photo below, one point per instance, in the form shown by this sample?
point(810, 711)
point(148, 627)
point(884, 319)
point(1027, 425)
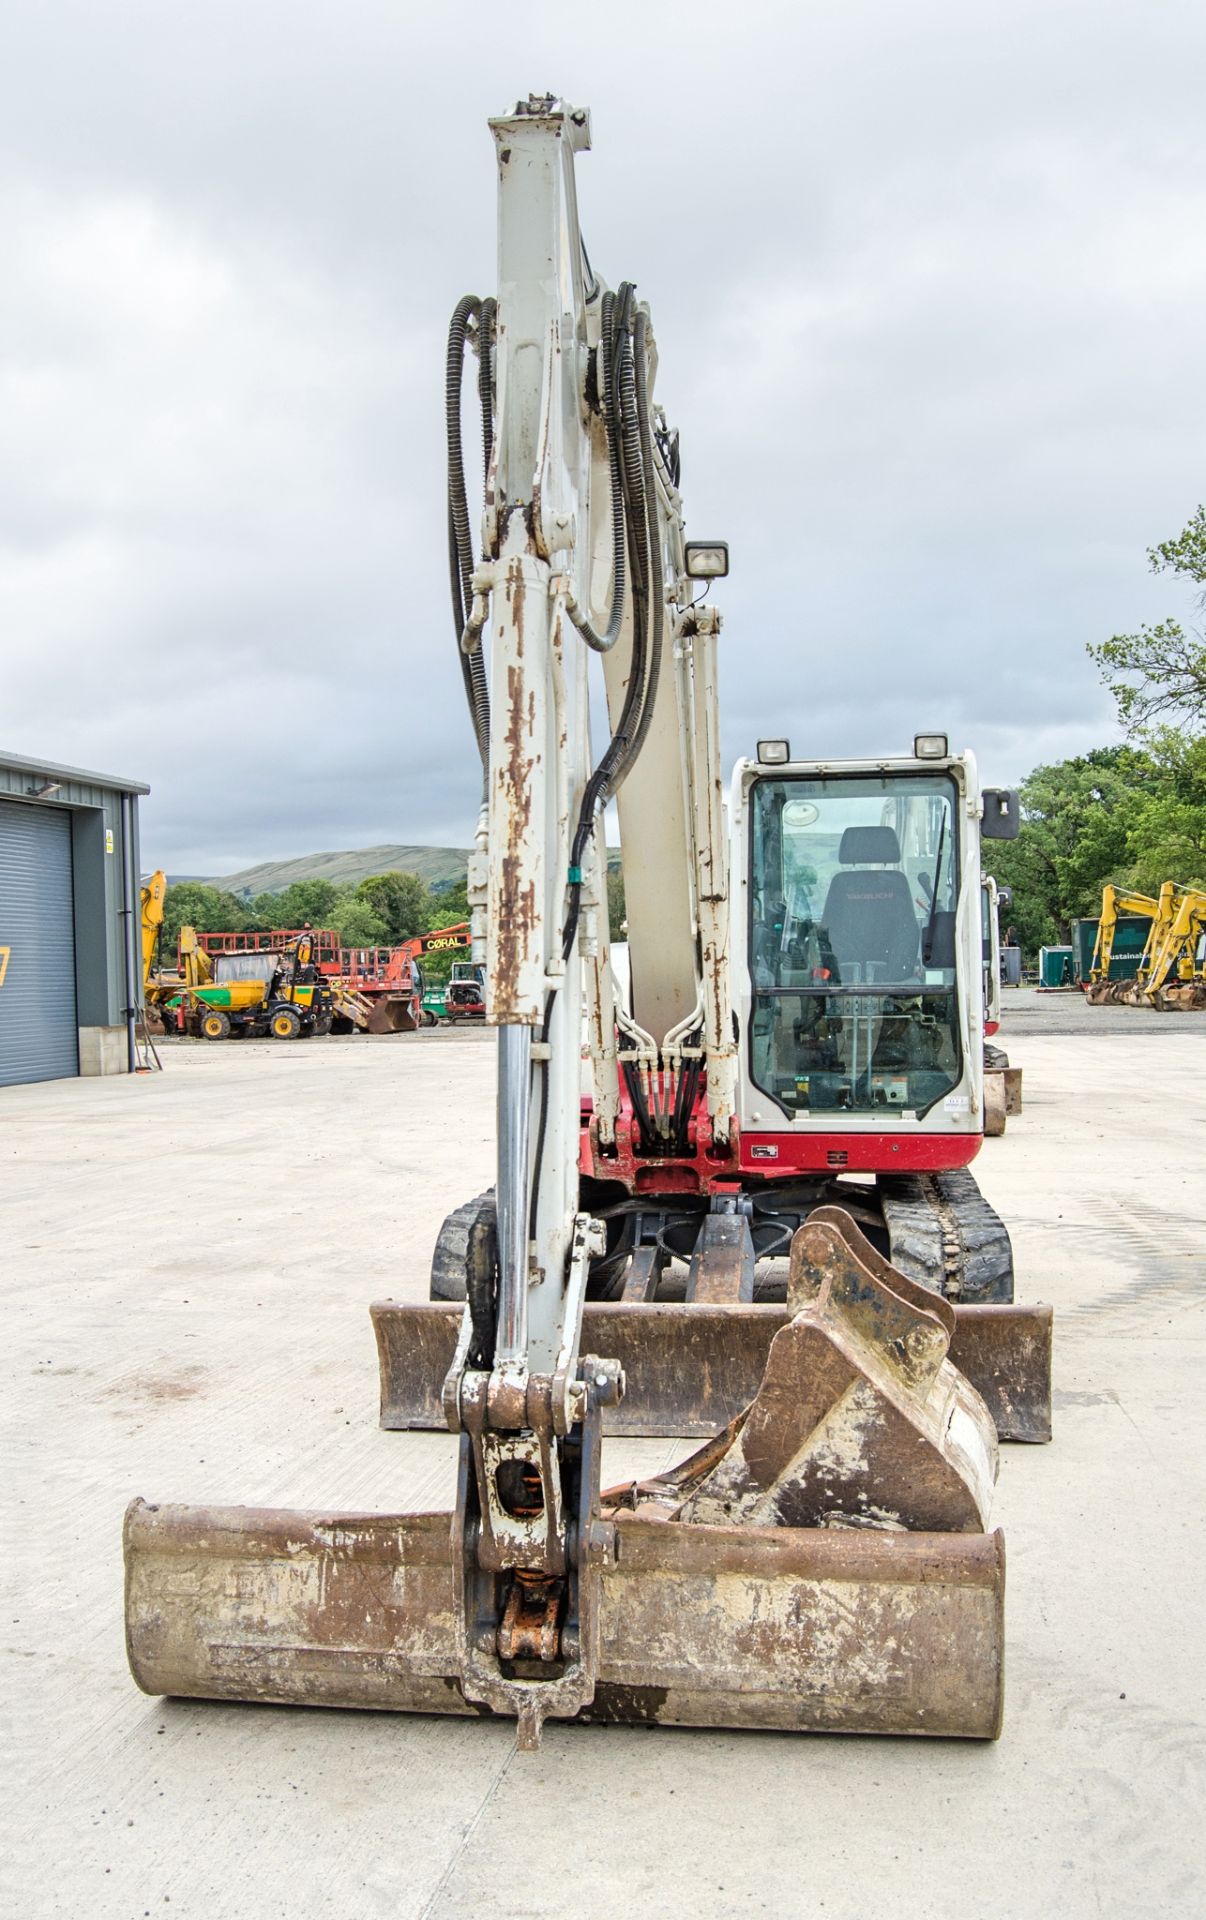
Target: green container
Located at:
point(1084, 939)
point(1055, 966)
point(1130, 938)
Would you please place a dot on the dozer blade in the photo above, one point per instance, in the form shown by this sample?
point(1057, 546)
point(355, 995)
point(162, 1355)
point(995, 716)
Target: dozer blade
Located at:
point(691, 1368)
point(995, 1104)
point(791, 1628)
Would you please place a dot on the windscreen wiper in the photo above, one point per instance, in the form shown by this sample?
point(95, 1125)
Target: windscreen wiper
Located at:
point(927, 945)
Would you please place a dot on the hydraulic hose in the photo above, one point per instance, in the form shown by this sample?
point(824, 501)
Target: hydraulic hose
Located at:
point(485, 390)
point(468, 311)
point(603, 642)
point(622, 372)
point(656, 611)
point(634, 503)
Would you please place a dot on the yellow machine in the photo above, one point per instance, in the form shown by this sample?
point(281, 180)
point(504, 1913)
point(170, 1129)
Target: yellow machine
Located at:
point(1175, 979)
point(1171, 974)
point(1115, 901)
point(225, 995)
point(282, 994)
point(152, 920)
point(160, 986)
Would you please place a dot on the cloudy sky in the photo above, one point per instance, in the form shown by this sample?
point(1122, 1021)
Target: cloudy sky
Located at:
point(928, 282)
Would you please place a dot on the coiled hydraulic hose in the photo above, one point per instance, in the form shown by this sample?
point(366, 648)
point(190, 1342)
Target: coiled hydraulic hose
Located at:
point(612, 330)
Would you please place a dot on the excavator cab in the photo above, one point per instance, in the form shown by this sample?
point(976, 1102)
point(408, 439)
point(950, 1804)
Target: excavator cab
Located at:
point(853, 977)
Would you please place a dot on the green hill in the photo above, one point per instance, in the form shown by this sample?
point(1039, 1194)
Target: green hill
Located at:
point(438, 866)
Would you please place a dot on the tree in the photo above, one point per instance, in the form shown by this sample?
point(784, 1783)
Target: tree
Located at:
point(309, 902)
point(356, 923)
point(1077, 817)
point(400, 902)
point(1167, 835)
point(192, 904)
point(616, 909)
point(1161, 670)
point(448, 905)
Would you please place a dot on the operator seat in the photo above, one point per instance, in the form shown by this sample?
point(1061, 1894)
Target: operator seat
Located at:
point(869, 920)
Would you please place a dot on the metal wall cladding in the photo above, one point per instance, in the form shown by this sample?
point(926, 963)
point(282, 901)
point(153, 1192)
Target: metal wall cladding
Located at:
point(39, 1036)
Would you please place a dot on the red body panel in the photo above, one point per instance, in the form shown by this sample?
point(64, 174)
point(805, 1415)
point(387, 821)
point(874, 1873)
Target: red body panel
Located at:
point(783, 1153)
point(766, 1156)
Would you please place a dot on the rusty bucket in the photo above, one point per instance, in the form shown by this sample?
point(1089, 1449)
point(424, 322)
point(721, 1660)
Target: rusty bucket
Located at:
point(799, 1628)
point(393, 1013)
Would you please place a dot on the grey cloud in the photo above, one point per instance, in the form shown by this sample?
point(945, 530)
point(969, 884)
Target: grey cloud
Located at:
point(928, 290)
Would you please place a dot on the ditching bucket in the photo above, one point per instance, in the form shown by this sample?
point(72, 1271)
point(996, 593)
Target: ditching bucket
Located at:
point(793, 1628)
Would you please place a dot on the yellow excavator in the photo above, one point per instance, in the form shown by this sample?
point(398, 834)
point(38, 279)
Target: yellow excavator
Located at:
point(1116, 902)
point(1174, 977)
point(792, 1081)
point(152, 898)
point(1171, 975)
point(167, 988)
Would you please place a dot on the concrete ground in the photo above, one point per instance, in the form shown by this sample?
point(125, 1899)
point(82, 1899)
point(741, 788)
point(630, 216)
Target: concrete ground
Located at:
point(188, 1262)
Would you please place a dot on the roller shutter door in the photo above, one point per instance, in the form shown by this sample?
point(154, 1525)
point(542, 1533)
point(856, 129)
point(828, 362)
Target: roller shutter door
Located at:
point(39, 1037)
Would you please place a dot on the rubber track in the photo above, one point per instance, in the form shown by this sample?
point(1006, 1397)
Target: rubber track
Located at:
point(943, 1233)
point(449, 1262)
point(450, 1259)
point(927, 1215)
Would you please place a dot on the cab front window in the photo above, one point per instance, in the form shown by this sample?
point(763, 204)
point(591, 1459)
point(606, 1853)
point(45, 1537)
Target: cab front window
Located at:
point(854, 889)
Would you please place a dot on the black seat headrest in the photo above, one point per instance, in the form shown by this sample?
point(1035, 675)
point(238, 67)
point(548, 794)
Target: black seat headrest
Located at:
point(860, 846)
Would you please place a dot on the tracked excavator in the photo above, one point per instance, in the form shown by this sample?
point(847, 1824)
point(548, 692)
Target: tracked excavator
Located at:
point(780, 1116)
point(1118, 903)
point(151, 900)
point(1171, 975)
point(1176, 978)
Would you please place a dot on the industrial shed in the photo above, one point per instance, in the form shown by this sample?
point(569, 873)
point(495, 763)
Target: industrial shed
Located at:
point(70, 970)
